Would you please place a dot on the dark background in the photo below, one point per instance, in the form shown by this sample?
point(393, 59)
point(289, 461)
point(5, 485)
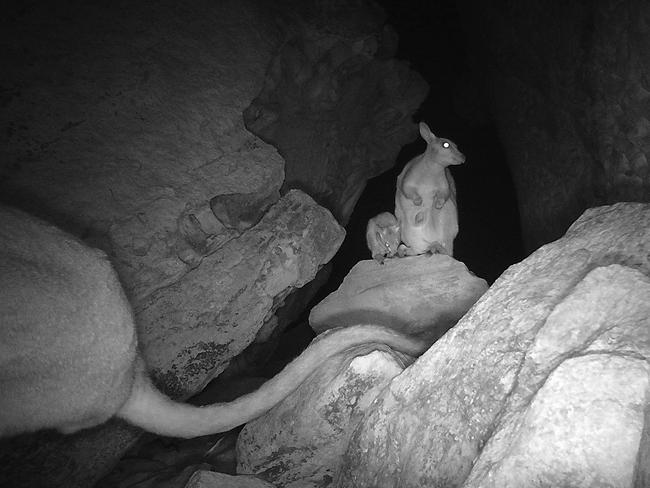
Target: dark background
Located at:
point(432, 40)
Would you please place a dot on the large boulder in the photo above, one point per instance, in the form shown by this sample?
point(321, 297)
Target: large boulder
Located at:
point(423, 296)
point(301, 441)
point(543, 382)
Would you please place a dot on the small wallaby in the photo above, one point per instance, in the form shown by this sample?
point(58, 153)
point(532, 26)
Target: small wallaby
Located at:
point(68, 348)
point(383, 236)
point(425, 199)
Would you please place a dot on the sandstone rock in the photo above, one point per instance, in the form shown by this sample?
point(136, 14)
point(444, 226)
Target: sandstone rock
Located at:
point(337, 110)
point(420, 295)
point(583, 425)
point(121, 124)
point(300, 442)
point(195, 325)
point(209, 479)
point(512, 393)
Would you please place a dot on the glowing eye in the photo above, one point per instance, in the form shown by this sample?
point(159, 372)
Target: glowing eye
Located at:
point(445, 144)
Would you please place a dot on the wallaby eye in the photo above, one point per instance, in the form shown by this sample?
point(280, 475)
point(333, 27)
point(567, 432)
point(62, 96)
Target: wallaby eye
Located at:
point(445, 145)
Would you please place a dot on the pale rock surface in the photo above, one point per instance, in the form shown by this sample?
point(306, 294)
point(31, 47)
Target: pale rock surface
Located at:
point(544, 380)
point(422, 296)
point(195, 325)
point(209, 479)
point(300, 442)
point(588, 368)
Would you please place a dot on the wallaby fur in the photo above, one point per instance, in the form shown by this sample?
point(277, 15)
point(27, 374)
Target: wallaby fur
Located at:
point(425, 200)
point(68, 347)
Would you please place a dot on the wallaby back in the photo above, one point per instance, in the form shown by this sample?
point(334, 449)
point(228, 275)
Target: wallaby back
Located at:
point(68, 349)
point(67, 340)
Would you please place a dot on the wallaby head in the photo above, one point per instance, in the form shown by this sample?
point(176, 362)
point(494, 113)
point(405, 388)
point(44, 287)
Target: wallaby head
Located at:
point(439, 150)
point(68, 349)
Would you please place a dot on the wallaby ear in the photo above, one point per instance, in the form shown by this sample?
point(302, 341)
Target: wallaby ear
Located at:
point(426, 133)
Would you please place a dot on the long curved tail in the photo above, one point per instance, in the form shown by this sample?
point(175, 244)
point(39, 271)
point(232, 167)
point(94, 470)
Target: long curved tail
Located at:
point(149, 409)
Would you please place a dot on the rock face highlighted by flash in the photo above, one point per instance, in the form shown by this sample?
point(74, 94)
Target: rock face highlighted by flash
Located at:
point(544, 382)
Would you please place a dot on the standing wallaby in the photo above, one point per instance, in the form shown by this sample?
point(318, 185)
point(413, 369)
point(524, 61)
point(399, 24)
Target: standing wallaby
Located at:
point(425, 199)
point(68, 348)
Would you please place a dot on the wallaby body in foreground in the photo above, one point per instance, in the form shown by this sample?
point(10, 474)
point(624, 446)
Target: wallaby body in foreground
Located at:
point(68, 348)
point(425, 200)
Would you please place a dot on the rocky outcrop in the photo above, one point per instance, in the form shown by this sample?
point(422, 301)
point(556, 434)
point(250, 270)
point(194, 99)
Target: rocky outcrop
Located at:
point(194, 326)
point(301, 442)
point(335, 103)
point(423, 296)
point(568, 88)
point(123, 124)
point(208, 479)
point(544, 381)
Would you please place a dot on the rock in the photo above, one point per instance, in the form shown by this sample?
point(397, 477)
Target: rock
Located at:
point(337, 110)
point(209, 479)
point(301, 441)
point(194, 326)
point(543, 381)
point(420, 295)
point(584, 423)
point(121, 127)
point(240, 211)
point(132, 151)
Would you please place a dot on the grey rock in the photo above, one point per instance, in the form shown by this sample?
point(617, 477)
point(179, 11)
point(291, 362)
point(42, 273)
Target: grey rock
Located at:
point(209, 479)
point(544, 356)
point(421, 296)
point(301, 441)
point(193, 327)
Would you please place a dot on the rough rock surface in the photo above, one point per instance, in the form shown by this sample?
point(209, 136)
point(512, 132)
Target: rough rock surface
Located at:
point(557, 346)
point(421, 296)
point(209, 479)
point(195, 325)
point(569, 88)
point(122, 131)
point(335, 103)
point(300, 442)
point(123, 124)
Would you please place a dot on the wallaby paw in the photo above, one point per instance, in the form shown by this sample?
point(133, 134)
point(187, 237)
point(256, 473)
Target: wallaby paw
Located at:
point(437, 248)
point(439, 203)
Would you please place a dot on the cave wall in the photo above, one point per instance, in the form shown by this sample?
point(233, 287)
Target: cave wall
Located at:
point(335, 103)
point(123, 123)
point(568, 84)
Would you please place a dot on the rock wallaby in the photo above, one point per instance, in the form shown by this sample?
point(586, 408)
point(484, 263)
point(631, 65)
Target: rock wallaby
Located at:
point(425, 200)
point(383, 236)
point(68, 348)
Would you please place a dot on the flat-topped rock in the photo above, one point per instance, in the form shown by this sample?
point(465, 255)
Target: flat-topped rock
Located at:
point(419, 295)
